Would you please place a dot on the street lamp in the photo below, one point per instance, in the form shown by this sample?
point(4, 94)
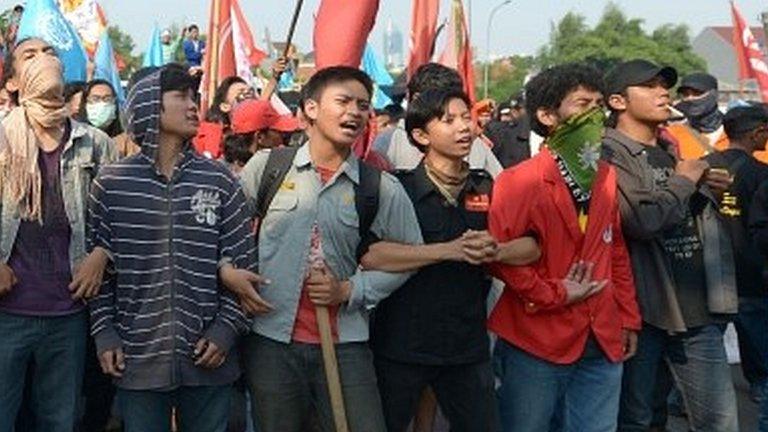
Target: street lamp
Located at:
point(488, 45)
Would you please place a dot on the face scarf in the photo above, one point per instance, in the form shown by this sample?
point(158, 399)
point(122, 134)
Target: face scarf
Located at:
point(702, 113)
point(41, 103)
point(577, 142)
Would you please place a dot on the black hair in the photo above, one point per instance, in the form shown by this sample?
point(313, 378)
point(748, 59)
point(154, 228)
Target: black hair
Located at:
point(237, 148)
point(323, 78)
point(18, 8)
point(427, 106)
point(215, 114)
point(433, 76)
point(395, 112)
point(193, 26)
point(73, 88)
point(548, 89)
point(176, 77)
point(115, 128)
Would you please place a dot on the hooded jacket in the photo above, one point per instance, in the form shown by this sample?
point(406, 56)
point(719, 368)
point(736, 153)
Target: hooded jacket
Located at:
point(167, 239)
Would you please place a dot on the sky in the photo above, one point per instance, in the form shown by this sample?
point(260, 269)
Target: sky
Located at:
point(520, 27)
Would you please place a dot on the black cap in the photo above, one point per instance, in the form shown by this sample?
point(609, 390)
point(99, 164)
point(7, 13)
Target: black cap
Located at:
point(699, 81)
point(636, 72)
point(744, 119)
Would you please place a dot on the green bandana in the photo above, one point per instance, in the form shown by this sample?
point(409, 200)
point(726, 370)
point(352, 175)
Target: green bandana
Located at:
point(577, 142)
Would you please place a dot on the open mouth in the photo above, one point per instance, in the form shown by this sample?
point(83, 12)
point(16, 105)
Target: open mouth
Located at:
point(350, 126)
point(464, 140)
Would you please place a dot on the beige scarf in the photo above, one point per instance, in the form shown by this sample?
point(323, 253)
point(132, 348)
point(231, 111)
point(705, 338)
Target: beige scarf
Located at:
point(41, 103)
point(449, 185)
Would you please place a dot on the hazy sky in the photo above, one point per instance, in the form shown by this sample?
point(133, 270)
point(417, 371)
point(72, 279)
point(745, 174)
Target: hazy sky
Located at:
point(519, 27)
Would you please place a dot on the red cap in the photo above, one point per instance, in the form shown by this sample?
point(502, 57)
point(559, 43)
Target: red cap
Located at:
point(255, 115)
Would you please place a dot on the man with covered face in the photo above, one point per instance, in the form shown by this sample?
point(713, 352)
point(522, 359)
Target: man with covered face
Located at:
point(567, 322)
point(47, 162)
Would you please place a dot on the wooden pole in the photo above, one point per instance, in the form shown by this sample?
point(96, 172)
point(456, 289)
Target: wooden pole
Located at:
point(331, 369)
point(292, 28)
point(213, 51)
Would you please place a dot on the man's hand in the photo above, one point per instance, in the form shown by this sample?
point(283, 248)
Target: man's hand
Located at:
point(629, 342)
point(692, 169)
point(208, 354)
point(718, 180)
point(479, 247)
point(89, 274)
point(7, 279)
point(325, 289)
point(579, 284)
point(278, 67)
point(113, 362)
point(243, 284)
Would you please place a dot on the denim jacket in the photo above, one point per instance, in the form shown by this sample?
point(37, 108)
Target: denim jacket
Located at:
point(284, 241)
point(87, 150)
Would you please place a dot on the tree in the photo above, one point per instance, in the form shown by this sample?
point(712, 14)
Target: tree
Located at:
point(617, 38)
point(505, 75)
point(122, 44)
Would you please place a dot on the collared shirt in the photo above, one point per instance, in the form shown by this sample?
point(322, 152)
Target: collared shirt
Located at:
point(87, 150)
point(438, 317)
point(286, 231)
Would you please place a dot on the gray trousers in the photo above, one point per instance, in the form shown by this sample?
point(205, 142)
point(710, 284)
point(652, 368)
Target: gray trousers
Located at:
point(290, 393)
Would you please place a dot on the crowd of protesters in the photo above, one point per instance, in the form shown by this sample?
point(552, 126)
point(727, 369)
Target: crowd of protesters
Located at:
point(565, 260)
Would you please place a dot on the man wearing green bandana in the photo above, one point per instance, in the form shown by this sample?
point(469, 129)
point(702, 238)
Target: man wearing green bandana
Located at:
point(567, 322)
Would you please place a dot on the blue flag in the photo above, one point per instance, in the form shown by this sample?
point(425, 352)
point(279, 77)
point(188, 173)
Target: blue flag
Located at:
point(378, 73)
point(154, 54)
point(42, 19)
point(286, 80)
point(105, 66)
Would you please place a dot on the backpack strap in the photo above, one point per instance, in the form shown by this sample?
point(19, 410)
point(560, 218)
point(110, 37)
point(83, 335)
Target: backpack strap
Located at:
point(367, 205)
point(277, 167)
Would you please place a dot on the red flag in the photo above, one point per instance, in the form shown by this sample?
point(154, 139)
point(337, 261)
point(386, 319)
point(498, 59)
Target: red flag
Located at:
point(219, 61)
point(245, 37)
point(750, 57)
point(458, 51)
point(423, 28)
point(341, 31)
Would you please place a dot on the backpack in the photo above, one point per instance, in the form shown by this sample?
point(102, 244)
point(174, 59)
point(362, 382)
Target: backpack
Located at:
point(366, 192)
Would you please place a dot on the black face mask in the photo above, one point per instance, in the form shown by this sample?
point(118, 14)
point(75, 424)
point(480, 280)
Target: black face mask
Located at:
point(703, 114)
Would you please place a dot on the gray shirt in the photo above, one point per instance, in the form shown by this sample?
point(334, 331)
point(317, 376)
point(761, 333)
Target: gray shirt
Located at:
point(284, 241)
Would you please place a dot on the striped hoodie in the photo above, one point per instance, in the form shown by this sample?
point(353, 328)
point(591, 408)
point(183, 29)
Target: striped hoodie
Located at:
point(166, 240)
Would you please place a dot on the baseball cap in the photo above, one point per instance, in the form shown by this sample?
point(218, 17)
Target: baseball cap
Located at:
point(254, 115)
point(165, 33)
point(636, 72)
point(744, 119)
point(699, 81)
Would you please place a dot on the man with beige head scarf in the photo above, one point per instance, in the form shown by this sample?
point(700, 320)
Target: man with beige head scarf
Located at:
point(47, 162)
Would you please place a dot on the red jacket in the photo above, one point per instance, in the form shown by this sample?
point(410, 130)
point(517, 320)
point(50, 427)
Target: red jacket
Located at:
point(531, 314)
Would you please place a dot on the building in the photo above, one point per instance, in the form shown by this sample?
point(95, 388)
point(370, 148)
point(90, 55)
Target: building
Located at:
point(715, 46)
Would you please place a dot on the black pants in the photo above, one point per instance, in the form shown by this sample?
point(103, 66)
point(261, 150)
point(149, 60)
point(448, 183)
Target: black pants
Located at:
point(464, 392)
point(98, 392)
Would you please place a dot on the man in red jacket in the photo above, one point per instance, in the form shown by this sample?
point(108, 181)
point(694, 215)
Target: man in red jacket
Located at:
point(566, 323)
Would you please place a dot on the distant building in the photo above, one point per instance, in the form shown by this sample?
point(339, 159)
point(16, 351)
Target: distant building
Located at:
point(393, 47)
point(715, 46)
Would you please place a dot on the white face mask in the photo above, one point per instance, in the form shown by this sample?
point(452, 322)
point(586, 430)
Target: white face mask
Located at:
point(100, 114)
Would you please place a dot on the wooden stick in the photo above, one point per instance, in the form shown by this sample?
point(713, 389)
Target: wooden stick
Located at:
point(331, 369)
point(292, 29)
point(213, 51)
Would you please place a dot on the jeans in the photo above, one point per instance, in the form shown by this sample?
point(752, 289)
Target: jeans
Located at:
point(56, 346)
point(752, 327)
point(401, 385)
point(538, 396)
point(287, 383)
point(698, 364)
point(98, 393)
point(199, 409)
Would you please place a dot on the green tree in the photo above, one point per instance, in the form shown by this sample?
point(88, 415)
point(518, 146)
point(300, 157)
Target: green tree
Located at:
point(505, 77)
point(122, 44)
point(617, 38)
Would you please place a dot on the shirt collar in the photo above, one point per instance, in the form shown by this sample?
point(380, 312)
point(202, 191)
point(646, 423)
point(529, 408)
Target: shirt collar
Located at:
point(350, 167)
point(634, 147)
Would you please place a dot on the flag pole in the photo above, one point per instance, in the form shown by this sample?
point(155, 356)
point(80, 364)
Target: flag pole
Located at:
point(292, 28)
point(213, 50)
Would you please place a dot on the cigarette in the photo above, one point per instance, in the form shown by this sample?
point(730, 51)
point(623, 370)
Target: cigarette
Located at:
point(675, 113)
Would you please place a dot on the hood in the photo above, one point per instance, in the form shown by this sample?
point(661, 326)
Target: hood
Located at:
point(142, 112)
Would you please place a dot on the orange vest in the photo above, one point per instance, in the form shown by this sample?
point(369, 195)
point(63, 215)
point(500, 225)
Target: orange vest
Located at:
point(694, 145)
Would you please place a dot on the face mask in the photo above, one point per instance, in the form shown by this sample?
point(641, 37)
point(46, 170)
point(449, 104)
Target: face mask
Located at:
point(100, 114)
point(577, 142)
point(702, 113)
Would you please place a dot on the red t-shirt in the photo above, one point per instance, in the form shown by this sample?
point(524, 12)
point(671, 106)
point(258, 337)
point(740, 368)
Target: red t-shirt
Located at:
point(305, 328)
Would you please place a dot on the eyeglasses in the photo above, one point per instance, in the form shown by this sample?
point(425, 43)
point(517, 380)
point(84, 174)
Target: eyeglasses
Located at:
point(97, 99)
point(248, 94)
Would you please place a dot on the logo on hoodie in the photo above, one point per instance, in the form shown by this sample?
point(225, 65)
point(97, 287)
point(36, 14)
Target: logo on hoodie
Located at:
point(204, 204)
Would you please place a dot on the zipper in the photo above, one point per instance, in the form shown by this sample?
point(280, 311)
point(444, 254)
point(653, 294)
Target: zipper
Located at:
point(169, 198)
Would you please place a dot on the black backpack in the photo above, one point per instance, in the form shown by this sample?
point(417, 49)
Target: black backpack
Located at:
point(366, 193)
